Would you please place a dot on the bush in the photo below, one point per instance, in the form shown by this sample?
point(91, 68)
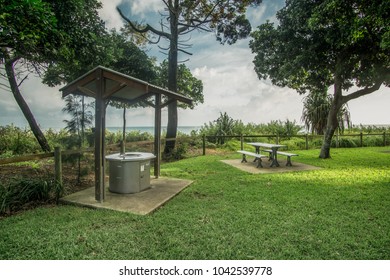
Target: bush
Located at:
point(345, 142)
point(136, 135)
point(19, 192)
point(294, 143)
point(232, 145)
point(17, 141)
point(373, 141)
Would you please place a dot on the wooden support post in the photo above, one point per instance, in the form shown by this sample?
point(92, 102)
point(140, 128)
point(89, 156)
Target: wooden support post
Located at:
point(361, 139)
point(242, 141)
point(384, 138)
point(99, 136)
point(122, 147)
point(58, 165)
point(157, 135)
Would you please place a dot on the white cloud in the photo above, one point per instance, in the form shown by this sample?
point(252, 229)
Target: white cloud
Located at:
point(256, 15)
point(110, 15)
point(231, 86)
point(142, 7)
point(137, 7)
point(45, 103)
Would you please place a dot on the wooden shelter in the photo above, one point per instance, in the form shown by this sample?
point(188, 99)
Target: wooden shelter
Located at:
point(104, 85)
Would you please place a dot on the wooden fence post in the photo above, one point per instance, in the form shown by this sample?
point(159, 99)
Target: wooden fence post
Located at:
point(58, 164)
point(361, 139)
point(384, 138)
point(307, 141)
point(242, 141)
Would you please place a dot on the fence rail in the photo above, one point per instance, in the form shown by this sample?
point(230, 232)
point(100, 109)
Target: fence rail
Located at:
point(204, 138)
point(307, 137)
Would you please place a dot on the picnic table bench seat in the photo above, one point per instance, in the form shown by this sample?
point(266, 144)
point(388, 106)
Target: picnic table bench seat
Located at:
point(270, 154)
point(257, 157)
point(288, 155)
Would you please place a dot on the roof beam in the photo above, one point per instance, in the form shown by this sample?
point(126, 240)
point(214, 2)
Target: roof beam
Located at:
point(74, 86)
point(113, 90)
point(141, 98)
point(87, 92)
point(127, 81)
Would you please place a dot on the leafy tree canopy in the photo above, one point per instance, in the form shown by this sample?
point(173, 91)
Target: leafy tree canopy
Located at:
point(322, 43)
point(317, 41)
point(86, 40)
point(187, 84)
point(28, 30)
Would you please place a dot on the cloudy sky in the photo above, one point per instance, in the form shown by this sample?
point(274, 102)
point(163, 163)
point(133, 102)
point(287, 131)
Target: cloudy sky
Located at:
point(230, 83)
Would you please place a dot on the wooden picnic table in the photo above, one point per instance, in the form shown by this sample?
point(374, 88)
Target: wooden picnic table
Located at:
point(272, 147)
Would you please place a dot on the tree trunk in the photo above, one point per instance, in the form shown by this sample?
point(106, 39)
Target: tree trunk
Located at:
point(332, 122)
point(9, 68)
point(329, 132)
point(172, 79)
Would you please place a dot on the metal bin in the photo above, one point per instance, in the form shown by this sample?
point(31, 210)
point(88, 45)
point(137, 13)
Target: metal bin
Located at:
point(129, 172)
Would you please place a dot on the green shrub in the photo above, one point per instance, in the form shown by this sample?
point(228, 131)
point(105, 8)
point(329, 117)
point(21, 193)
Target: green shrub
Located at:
point(17, 140)
point(345, 142)
point(373, 141)
point(232, 145)
point(21, 191)
point(137, 135)
point(294, 143)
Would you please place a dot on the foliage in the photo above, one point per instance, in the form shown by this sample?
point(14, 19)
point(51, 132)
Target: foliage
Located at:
point(315, 39)
point(29, 29)
point(337, 212)
point(286, 129)
point(187, 84)
point(227, 126)
point(16, 141)
point(16, 194)
point(225, 18)
point(318, 44)
point(44, 38)
point(86, 40)
point(132, 60)
point(316, 107)
point(81, 115)
point(131, 136)
point(223, 126)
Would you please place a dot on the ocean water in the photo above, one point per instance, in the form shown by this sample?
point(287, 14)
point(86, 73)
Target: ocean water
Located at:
point(150, 129)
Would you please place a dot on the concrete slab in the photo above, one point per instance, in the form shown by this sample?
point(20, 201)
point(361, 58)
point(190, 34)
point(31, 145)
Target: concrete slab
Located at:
point(250, 166)
point(142, 203)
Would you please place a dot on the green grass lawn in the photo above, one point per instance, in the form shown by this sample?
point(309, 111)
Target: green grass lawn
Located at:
point(341, 211)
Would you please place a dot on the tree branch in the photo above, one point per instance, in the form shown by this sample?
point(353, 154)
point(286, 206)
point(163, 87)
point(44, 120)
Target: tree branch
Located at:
point(25, 78)
point(4, 86)
point(146, 29)
point(181, 50)
point(364, 91)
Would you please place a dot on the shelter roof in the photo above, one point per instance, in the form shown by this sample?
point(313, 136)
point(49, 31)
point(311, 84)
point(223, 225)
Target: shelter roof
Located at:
point(117, 86)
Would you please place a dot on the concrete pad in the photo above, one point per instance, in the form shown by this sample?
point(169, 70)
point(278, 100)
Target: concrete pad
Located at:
point(250, 166)
point(142, 203)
